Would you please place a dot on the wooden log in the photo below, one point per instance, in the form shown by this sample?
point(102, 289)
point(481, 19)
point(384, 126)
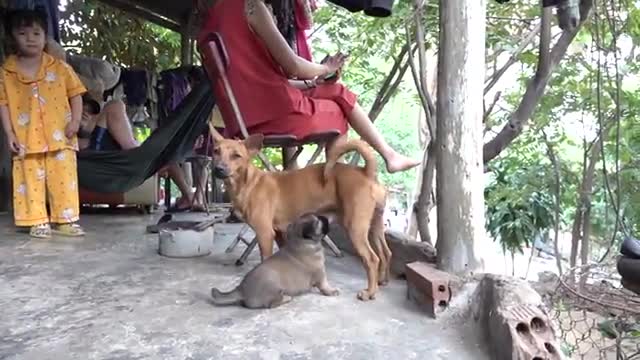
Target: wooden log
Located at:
point(404, 249)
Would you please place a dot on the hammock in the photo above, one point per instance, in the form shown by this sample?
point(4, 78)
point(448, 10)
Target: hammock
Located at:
point(123, 170)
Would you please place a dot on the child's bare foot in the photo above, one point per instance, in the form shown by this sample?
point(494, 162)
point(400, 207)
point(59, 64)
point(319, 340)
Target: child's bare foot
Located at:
point(397, 162)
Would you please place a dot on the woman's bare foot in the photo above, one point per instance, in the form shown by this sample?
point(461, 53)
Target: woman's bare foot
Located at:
point(181, 204)
point(397, 162)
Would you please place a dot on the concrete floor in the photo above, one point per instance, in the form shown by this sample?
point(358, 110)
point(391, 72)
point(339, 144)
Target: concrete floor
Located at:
point(111, 296)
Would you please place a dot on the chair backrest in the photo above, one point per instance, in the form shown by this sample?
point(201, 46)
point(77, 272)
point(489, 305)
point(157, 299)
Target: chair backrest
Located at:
point(215, 59)
point(214, 55)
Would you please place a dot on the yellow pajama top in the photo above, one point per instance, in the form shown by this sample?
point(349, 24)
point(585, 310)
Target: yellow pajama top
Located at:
point(39, 107)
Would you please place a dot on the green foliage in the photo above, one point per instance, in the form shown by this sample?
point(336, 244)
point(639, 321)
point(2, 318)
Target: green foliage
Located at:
point(572, 110)
point(373, 44)
point(97, 30)
point(519, 203)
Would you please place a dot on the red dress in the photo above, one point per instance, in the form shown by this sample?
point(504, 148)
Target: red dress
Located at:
point(269, 105)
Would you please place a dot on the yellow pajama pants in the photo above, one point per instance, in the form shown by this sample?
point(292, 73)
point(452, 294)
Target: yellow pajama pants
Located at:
point(37, 175)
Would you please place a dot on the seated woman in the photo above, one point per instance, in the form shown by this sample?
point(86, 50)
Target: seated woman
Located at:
point(264, 63)
point(109, 129)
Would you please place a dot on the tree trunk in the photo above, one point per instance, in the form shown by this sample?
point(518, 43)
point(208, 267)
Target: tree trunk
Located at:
point(576, 233)
point(556, 195)
point(587, 190)
point(459, 172)
point(425, 200)
point(582, 219)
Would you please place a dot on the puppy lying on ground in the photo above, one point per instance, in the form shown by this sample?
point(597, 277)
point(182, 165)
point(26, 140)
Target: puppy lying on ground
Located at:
point(270, 201)
point(293, 270)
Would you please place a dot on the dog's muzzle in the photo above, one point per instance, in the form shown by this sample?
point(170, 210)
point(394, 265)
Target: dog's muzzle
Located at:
point(316, 227)
point(220, 172)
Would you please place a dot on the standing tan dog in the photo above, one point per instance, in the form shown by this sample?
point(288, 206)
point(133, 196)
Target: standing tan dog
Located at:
point(270, 201)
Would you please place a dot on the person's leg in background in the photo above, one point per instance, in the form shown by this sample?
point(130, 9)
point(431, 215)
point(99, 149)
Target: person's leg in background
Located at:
point(176, 173)
point(62, 186)
point(29, 194)
point(200, 175)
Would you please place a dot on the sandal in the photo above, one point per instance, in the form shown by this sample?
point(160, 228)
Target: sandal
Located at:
point(42, 231)
point(71, 230)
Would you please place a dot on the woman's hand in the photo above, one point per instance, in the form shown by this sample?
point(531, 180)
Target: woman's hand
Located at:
point(334, 63)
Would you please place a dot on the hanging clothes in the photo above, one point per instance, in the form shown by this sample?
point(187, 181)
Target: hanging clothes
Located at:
point(172, 89)
point(379, 8)
point(50, 7)
point(135, 86)
point(351, 5)
point(375, 8)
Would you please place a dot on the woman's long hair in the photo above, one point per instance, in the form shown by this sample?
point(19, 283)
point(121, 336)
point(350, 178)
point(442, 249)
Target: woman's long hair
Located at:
point(285, 16)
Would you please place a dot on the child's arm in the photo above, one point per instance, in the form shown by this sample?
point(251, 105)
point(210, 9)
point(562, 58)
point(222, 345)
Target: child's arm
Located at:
point(76, 116)
point(14, 146)
point(75, 89)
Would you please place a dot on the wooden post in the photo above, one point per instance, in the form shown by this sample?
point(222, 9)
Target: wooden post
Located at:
point(5, 174)
point(459, 172)
point(185, 47)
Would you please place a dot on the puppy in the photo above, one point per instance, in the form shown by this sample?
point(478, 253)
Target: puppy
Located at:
point(293, 270)
point(270, 201)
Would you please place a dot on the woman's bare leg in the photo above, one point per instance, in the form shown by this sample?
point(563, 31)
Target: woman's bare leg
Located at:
point(395, 161)
point(330, 144)
point(176, 174)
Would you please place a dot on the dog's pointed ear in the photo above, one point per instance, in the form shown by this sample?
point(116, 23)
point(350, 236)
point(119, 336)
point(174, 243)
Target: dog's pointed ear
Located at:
point(325, 224)
point(214, 133)
point(254, 143)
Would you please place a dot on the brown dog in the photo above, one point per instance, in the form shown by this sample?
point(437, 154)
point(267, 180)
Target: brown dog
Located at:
point(270, 201)
point(293, 270)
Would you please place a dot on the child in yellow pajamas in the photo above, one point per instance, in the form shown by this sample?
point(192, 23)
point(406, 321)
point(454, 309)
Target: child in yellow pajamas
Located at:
point(40, 108)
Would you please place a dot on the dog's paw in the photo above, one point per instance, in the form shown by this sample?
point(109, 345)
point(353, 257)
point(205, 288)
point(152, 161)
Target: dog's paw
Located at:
point(330, 292)
point(365, 295)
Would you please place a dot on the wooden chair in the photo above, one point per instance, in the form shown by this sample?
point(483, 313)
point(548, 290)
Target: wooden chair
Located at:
point(215, 60)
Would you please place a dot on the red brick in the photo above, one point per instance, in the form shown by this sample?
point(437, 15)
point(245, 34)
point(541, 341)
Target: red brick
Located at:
point(428, 287)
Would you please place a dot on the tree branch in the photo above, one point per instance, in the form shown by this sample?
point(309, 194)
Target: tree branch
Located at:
point(387, 89)
point(489, 110)
point(535, 89)
point(524, 43)
point(384, 88)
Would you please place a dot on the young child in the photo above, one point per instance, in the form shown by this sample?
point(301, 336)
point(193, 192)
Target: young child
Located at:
point(40, 109)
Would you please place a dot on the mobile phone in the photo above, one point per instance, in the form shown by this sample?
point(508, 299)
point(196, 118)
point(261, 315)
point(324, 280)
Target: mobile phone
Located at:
point(331, 76)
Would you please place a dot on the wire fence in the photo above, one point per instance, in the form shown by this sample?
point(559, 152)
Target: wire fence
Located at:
point(594, 316)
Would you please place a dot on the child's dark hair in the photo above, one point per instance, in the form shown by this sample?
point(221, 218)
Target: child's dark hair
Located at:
point(93, 105)
point(25, 17)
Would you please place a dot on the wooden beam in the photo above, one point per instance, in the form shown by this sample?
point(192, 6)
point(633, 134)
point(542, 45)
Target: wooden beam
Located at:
point(185, 48)
point(144, 13)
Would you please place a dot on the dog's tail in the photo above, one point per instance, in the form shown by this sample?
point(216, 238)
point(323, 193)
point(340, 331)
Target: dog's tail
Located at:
point(370, 163)
point(233, 297)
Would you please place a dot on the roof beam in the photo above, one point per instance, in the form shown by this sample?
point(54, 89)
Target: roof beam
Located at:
point(144, 13)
